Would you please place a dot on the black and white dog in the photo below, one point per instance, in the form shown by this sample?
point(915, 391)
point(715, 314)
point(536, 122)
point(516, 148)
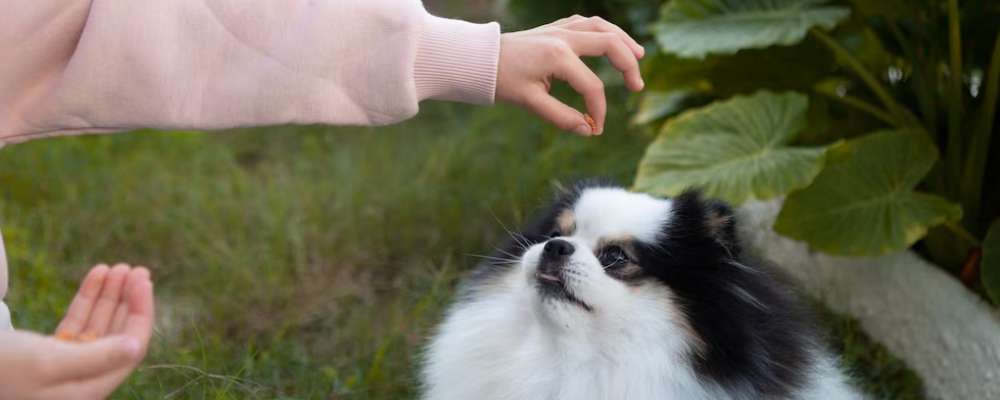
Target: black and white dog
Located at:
point(619, 295)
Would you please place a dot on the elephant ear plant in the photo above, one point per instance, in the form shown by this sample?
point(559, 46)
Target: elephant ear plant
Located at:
point(874, 119)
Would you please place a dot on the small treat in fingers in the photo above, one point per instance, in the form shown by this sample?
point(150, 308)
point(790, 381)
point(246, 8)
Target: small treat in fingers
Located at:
point(590, 122)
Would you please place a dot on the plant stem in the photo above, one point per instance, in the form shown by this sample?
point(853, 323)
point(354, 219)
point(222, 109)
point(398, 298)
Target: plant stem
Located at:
point(925, 96)
point(902, 116)
point(959, 231)
point(953, 153)
point(979, 145)
point(992, 89)
point(862, 105)
point(924, 86)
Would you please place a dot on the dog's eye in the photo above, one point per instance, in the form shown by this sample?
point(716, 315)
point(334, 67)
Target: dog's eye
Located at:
point(613, 257)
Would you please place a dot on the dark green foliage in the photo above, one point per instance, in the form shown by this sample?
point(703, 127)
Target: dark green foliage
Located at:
point(931, 67)
point(632, 15)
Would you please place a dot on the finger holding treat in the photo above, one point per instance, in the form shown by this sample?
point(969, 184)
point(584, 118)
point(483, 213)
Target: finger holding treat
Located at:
point(554, 52)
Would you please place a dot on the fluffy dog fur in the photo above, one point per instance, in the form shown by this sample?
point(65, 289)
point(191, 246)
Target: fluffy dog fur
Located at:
point(619, 295)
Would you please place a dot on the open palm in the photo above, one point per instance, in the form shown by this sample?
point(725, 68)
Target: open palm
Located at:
point(102, 338)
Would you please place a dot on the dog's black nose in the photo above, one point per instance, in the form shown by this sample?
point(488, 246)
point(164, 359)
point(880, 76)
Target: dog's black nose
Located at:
point(557, 249)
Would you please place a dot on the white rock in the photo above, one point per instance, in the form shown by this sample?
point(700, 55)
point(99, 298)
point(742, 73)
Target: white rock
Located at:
point(944, 332)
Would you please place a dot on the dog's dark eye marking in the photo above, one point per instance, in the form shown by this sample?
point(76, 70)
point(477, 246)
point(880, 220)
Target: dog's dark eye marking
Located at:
point(613, 257)
point(555, 234)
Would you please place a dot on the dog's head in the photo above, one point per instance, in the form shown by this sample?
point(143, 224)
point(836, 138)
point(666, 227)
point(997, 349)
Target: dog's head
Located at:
point(603, 250)
point(614, 267)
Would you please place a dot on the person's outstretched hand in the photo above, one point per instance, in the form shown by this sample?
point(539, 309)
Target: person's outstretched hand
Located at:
point(530, 59)
point(102, 338)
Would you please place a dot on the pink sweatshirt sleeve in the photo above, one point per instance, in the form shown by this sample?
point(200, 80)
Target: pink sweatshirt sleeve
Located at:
point(76, 66)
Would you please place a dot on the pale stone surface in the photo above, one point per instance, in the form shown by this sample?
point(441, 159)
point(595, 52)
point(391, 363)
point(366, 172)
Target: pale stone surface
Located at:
point(944, 332)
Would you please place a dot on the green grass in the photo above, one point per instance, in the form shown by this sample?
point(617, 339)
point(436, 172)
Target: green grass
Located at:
point(294, 262)
point(874, 369)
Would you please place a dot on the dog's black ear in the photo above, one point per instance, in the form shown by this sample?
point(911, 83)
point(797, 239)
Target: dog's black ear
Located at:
point(720, 222)
point(696, 217)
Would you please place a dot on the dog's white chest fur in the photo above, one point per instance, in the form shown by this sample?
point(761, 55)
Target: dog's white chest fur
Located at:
point(498, 350)
point(501, 348)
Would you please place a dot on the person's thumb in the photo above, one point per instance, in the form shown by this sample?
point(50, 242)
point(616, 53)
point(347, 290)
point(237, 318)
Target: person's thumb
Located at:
point(74, 361)
point(559, 114)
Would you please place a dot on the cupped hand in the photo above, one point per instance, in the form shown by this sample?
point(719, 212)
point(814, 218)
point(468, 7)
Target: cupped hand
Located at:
point(530, 59)
point(101, 340)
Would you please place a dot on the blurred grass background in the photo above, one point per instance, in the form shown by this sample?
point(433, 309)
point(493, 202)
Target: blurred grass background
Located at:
point(292, 261)
point(305, 261)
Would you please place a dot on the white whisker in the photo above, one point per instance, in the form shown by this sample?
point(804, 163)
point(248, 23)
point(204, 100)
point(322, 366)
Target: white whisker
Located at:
point(507, 253)
point(518, 238)
point(496, 259)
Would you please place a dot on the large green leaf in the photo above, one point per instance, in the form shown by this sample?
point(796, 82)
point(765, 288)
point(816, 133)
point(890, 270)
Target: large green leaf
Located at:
point(863, 203)
point(989, 270)
point(655, 105)
point(696, 28)
point(734, 149)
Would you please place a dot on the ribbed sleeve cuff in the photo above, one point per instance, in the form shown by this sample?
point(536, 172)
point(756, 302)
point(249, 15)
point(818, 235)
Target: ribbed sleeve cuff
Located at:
point(457, 61)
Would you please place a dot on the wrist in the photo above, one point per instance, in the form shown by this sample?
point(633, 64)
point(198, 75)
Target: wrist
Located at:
point(457, 61)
